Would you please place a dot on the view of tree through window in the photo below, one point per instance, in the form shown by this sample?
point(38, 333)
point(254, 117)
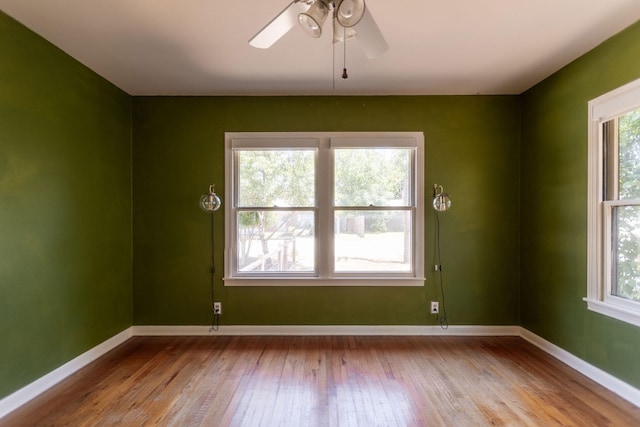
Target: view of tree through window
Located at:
point(626, 218)
point(372, 209)
point(276, 201)
point(371, 196)
point(613, 204)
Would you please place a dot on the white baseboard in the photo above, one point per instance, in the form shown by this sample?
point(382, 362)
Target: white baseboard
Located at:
point(22, 396)
point(272, 330)
point(619, 387)
point(30, 391)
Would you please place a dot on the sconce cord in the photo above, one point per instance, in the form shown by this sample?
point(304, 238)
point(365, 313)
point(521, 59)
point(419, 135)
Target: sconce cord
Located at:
point(442, 319)
point(215, 323)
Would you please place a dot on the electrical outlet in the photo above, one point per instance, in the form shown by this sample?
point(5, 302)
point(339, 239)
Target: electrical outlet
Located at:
point(435, 307)
point(437, 267)
point(217, 308)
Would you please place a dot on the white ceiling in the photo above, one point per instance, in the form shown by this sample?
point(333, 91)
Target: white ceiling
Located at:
point(199, 47)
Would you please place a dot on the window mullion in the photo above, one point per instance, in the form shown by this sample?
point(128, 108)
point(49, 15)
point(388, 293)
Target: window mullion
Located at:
point(325, 214)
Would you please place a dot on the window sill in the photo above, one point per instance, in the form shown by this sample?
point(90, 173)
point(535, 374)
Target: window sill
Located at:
point(313, 281)
point(614, 311)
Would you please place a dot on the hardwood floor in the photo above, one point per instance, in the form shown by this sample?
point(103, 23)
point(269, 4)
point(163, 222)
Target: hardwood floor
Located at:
point(326, 381)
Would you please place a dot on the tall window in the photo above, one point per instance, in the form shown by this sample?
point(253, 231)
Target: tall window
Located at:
point(324, 209)
point(614, 203)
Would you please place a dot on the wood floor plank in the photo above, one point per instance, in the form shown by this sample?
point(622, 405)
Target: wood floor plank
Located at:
point(326, 381)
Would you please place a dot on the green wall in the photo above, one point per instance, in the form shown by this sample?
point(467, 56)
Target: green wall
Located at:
point(65, 208)
point(471, 147)
point(554, 209)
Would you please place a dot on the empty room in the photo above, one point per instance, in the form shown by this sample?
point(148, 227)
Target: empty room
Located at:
point(319, 213)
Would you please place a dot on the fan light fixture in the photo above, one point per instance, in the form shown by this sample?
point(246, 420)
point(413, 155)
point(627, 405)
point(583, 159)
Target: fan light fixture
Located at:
point(311, 21)
point(350, 12)
point(210, 202)
point(350, 18)
point(352, 15)
point(441, 200)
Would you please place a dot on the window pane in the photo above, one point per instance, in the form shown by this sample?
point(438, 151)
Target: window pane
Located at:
point(282, 241)
point(629, 155)
point(373, 241)
point(372, 176)
point(283, 178)
point(626, 252)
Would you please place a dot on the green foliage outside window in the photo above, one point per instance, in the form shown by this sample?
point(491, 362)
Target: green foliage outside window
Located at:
point(276, 197)
point(372, 177)
point(627, 218)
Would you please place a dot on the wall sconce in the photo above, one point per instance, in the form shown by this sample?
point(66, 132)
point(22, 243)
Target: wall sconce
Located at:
point(210, 202)
point(441, 200)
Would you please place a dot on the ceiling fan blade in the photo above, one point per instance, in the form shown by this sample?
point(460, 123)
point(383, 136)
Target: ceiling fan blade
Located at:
point(371, 39)
point(278, 26)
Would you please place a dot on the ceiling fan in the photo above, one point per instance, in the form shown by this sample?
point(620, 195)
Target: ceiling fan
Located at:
point(351, 18)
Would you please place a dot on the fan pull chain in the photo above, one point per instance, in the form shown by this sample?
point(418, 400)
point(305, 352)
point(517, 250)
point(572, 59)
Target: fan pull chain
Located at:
point(344, 59)
point(333, 65)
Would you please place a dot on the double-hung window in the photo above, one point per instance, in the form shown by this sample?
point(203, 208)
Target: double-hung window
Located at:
point(614, 204)
point(324, 209)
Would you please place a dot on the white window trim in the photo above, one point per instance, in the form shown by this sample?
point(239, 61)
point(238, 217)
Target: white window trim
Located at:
point(599, 300)
point(260, 139)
